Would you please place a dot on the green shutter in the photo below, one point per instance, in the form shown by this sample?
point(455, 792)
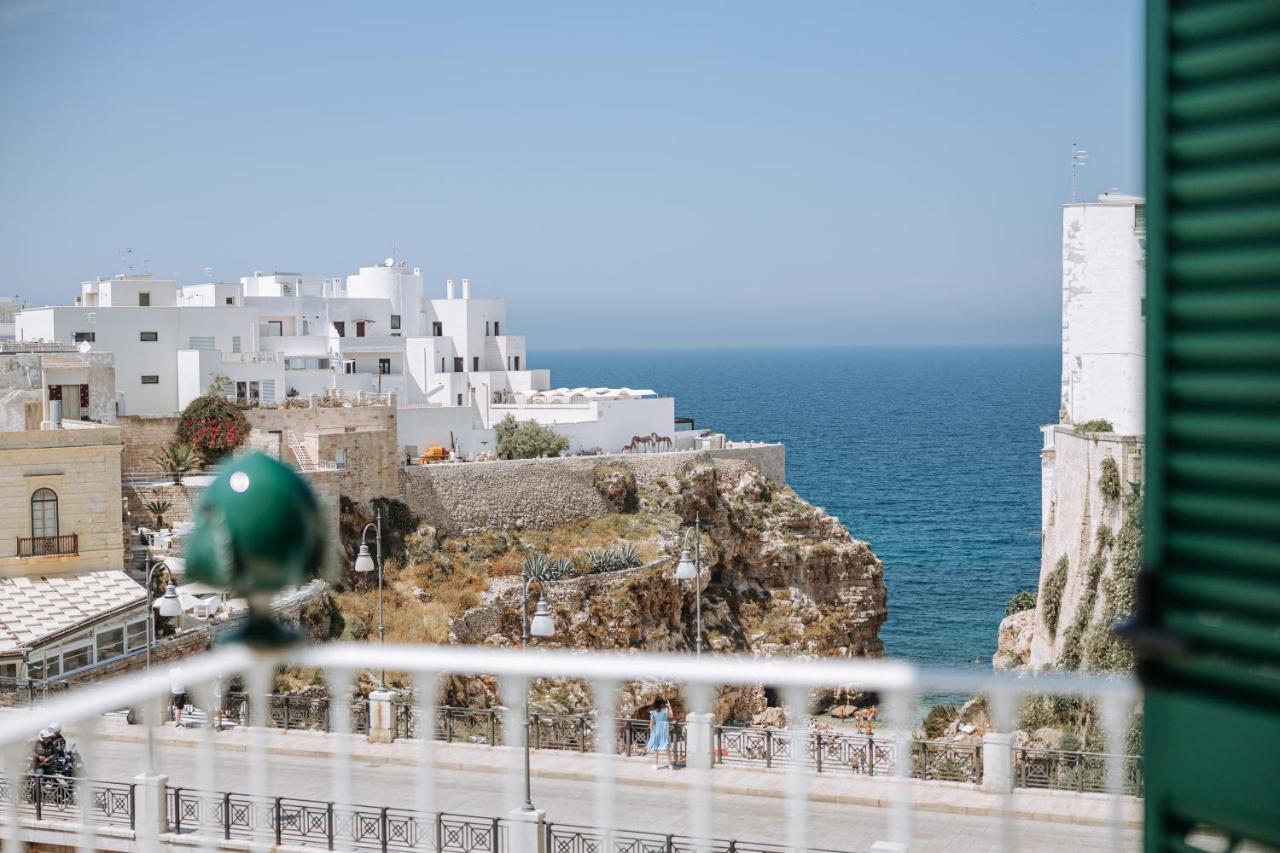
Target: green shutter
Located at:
point(1209, 594)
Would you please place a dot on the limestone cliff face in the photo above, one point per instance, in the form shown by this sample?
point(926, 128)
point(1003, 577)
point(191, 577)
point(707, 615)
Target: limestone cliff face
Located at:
point(779, 577)
point(1090, 551)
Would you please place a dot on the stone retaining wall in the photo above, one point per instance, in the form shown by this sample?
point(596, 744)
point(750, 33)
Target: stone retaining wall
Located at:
point(541, 493)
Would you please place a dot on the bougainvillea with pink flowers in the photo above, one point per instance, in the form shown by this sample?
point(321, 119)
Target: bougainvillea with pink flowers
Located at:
point(212, 426)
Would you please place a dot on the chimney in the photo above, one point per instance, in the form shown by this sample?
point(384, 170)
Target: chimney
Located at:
point(466, 288)
point(448, 289)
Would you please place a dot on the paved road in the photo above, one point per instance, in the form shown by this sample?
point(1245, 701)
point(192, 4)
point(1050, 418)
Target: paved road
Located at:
point(656, 808)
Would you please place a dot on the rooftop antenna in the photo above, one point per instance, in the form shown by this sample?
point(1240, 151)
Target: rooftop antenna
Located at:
point(126, 259)
point(146, 266)
point(208, 273)
point(1079, 158)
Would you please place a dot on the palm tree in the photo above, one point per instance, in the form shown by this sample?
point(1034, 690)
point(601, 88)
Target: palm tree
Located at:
point(159, 509)
point(177, 460)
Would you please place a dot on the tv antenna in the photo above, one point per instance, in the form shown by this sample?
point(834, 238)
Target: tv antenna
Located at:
point(146, 266)
point(126, 259)
point(208, 273)
point(1079, 159)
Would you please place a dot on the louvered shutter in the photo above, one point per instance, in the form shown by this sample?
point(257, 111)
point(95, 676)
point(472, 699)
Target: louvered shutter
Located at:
point(1209, 595)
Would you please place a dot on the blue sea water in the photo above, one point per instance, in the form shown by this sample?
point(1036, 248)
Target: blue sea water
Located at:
point(930, 454)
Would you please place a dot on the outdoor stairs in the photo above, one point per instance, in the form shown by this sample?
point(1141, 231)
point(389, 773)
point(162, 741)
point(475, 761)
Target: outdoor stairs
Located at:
point(300, 452)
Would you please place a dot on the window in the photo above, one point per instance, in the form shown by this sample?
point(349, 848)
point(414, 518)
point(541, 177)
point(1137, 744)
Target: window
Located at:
point(148, 336)
point(486, 328)
point(78, 658)
point(517, 362)
point(475, 362)
point(496, 328)
point(231, 300)
point(437, 329)
point(395, 321)
point(110, 644)
point(286, 289)
point(144, 299)
point(360, 324)
point(459, 399)
point(348, 367)
point(50, 667)
point(44, 513)
point(235, 343)
point(442, 364)
point(340, 327)
point(83, 337)
point(9, 672)
point(203, 343)
point(459, 364)
point(150, 379)
point(137, 634)
point(275, 328)
point(384, 365)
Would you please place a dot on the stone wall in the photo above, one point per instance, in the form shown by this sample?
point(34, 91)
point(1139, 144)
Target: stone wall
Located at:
point(137, 497)
point(372, 461)
point(144, 437)
point(541, 493)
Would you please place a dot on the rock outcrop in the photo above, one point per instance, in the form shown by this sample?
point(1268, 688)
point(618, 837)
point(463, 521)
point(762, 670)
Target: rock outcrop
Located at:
point(779, 577)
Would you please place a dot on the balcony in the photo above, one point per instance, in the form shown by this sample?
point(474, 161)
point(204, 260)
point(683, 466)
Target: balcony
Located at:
point(49, 546)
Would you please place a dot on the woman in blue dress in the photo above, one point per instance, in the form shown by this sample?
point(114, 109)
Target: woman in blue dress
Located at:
point(660, 731)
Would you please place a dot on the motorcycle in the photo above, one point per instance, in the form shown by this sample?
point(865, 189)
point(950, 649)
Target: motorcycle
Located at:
point(55, 780)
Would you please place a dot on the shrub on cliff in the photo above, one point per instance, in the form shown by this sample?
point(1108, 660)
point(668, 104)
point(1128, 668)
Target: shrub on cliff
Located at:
point(1095, 425)
point(938, 718)
point(1109, 480)
point(212, 426)
point(527, 439)
point(1052, 594)
point(617, 485)
point(1023, 599)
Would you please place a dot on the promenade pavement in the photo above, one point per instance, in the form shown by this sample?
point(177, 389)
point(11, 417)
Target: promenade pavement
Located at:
point(847, 812)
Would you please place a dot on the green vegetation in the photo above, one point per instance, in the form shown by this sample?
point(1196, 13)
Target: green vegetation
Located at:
point(1096, 425)
point(1052, 593)
point(527, 439)
point(159, 509)
point(1104, 650)
point(1023, 599)
point(177, 460)
point(1103, 538)
point(938, 719)
point(614, 559)
point(1072, 647)
point(1109, 480)
point(212, 427)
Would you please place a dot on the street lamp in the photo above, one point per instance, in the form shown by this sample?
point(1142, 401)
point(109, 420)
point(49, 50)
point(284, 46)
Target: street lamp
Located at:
point(365, 564)
point(690, 570)
point(170, 604)
point(543, 625)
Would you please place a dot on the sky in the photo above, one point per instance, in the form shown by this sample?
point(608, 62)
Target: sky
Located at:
point(664, 174)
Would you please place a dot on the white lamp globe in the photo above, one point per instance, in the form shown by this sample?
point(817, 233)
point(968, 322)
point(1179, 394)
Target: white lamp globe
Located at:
point(364, 562)
point(170, 604)
point(685, 569)
point(543, 624)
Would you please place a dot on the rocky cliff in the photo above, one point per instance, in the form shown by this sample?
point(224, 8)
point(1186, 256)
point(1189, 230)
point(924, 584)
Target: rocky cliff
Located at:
point(1092, 543)
point(780, 577)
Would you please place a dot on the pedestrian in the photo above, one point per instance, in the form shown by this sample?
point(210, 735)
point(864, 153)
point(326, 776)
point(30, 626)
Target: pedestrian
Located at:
point(178, 694)
point(660, 731)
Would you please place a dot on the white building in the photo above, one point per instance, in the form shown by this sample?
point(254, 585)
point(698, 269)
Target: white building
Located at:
point(1103, 285)
point(450, 362)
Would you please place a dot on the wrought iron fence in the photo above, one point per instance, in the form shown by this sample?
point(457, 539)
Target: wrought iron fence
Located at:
point(49, 546)
point(1073, 771)
point(59, 798)
point(571, 838)
point(836, 752)
point(291, 711)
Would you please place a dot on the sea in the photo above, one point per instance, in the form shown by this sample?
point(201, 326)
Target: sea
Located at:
point(932, 455)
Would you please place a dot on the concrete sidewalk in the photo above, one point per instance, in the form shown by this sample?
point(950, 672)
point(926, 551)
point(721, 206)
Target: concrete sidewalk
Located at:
point(831, 787)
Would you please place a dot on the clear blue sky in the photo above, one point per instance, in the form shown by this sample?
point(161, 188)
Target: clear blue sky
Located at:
point(644, 174)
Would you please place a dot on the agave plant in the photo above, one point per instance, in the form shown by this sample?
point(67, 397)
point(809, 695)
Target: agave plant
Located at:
point(159, 509)
point(177, 460)
point(628, 556)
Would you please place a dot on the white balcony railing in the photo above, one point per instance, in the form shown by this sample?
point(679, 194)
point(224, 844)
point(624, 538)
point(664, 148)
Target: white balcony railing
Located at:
point(169, 819)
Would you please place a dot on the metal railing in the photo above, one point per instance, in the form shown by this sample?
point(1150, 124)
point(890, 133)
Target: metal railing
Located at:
point(1073, 771)
point(897, 683)
point(58, 798)
point(49, 546)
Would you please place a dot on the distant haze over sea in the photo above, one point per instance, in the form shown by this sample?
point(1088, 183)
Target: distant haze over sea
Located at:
point(930, 454)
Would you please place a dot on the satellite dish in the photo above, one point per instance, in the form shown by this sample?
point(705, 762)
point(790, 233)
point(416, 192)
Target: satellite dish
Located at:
point(391, 262)
point(84, 346)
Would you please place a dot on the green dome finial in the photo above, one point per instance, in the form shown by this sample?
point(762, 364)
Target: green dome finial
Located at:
point(258, 530)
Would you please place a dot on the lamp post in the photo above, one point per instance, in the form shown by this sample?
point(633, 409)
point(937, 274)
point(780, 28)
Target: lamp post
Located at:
point(691, 569)
point(364, 564)
point(543, 625)
point(170, 604)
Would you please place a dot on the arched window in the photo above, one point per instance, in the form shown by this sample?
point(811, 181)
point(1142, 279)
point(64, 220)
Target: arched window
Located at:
point(44, 513)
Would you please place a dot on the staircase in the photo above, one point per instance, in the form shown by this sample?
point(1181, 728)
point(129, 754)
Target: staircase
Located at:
point(300, 452)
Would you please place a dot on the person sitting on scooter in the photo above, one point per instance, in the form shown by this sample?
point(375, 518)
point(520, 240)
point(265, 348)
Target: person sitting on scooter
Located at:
point(58, 743)
point(44, 756)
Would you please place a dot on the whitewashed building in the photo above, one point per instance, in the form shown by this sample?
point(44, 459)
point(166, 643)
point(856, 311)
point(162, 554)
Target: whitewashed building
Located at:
point(1103, 289)
point(450, 362)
